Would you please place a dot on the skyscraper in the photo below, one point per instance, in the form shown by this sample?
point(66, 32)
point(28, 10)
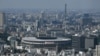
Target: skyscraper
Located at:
point(1, 22)
point(87, 20)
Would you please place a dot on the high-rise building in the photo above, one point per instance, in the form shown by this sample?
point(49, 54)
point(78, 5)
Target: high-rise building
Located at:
point(86, 20)
point(65, 11)
point(78, 42)
point(1, 22)
point(82, 42)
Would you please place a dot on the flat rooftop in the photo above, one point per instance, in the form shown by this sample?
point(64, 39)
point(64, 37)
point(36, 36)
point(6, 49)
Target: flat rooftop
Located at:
point(36, 39)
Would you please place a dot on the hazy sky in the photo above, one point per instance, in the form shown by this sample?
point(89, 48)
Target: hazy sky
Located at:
point(50, 4)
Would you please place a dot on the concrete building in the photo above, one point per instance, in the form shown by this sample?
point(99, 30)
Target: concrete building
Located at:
point(51, 44)
point(70, 52)
point(97, 51)
point(82, 43)
point(78, 42)
point(1, 22)
point(89, 43)
point(86, 20)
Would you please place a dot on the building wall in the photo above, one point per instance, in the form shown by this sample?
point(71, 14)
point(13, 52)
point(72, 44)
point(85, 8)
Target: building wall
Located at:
point(78, 43)
point(89, 42)
point(1, 20)
point(97, 51)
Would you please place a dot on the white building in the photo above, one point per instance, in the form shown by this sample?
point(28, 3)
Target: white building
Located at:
point(97, 51)
point(68, 52)
point(52, 53)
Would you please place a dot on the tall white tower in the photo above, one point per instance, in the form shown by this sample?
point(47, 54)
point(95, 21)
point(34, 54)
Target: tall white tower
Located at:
point(65, 10)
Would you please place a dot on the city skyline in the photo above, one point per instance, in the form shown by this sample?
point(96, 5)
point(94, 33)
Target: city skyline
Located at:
point(49, 28)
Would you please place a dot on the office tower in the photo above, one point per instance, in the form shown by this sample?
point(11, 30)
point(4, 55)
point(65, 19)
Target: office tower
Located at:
point(82, 43)
point(1, 22)
point(86, 20)
point(78, 42)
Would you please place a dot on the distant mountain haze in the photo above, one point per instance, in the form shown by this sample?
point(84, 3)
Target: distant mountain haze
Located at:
point(50, 4)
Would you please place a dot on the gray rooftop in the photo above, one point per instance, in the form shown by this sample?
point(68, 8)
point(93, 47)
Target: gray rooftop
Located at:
point(35, 39)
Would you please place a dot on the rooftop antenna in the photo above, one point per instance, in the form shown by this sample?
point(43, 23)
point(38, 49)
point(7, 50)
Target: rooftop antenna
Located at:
point(65, 10)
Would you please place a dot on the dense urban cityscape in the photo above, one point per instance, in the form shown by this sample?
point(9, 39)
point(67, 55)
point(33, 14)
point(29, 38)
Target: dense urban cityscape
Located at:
point(49, 33)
